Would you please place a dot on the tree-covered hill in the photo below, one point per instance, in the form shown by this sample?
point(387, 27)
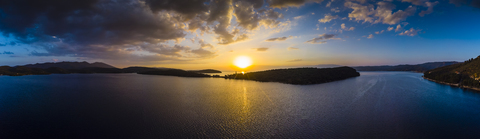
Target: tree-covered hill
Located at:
point(299, 75)
point(465, 74)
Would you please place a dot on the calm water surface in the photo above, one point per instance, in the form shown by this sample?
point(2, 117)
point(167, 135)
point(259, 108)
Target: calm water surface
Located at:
point(374, 105)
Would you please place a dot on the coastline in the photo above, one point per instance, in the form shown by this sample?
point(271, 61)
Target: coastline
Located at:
point(454, 85)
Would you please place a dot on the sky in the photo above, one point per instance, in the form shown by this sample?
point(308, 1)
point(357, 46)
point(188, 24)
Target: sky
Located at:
point(199, 34)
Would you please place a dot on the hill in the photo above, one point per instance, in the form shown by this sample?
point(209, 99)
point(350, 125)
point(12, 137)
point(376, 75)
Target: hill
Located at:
point(417, 68)
point(70, 65)
point(21, 70)
point(301, 76)
point(466, 74)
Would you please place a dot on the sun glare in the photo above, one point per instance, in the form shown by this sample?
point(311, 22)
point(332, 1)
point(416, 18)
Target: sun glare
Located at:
point(243, 61)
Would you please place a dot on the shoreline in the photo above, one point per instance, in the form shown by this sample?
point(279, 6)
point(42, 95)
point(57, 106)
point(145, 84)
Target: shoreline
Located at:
point(454, 85)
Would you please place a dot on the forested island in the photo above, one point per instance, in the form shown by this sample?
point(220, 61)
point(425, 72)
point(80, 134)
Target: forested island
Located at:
point(299, 76)
point(415, 68)
point(465, 75)
point(206, 71)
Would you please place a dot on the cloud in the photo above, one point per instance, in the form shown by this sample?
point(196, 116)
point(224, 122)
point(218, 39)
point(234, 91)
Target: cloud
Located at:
point(289, 3)
point(430, 8)
point(295, 60)
point(11, 44)
point(293, 48)
point(336, 10)
point(399, 28)
point(410, 32)
point(379, 32)
point(7, 53)
point(203, 53)
point(382, 14)
point(261, 49)
point(278, 39)
point(327, 18)
point(298, 17)
point(346, 28)
point(416, 2)
point(370, 36)
point(322, 39)
point(390, 28)
point(118, 28)
point(473, 3)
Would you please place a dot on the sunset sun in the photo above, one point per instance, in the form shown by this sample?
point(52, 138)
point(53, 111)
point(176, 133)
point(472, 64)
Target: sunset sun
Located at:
point(243, 61)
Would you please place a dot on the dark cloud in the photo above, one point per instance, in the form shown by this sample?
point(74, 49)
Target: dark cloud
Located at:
point(256, 3)
point(289, 3)
point(203, 53)
point(87, 26)
point(473, 3)
point(323, 38)
point(165, 49)
point(190, 8)
point(7, 53)
point(261, 49)
point(6, 44)
point(246, 15)
point(278, 39)
point(119, 28)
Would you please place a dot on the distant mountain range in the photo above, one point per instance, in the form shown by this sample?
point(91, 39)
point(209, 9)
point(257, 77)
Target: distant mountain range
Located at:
point(70, 65)
point(466, 74)
point(417, 68)
point(97, 67)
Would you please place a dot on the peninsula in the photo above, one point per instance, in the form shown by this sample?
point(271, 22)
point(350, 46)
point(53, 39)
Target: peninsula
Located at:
point(464, 75)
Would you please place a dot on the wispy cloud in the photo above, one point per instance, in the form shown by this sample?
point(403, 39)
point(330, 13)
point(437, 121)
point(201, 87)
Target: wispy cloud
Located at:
point(323, 38)
point(278, 39)
point(293, 48)
point(7, 53)
point(370, 36)
point(261, 49)
point(410, 32)
point(295, 60)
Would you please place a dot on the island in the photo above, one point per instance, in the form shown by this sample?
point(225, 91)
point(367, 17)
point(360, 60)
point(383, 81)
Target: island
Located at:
point(415, 68)
point(207, 71)
point(464, 75)
point(298, 76)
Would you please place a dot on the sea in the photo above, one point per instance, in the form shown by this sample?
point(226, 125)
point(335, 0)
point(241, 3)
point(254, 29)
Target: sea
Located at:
point(373, 105)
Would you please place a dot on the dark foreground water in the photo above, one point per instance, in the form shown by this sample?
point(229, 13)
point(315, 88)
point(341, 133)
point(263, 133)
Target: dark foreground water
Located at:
point(374, 105)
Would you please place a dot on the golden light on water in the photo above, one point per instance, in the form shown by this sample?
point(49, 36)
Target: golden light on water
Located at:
point(243, 61)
